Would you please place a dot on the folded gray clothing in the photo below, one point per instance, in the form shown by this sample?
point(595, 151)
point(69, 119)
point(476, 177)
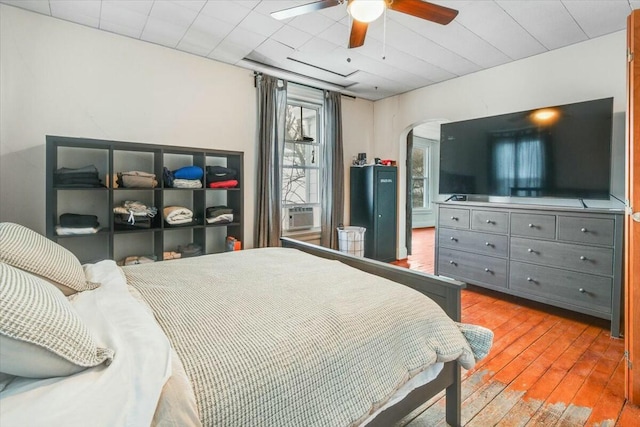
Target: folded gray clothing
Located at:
point(190, 250)
point(84, 169)
point(214, 211)
point(70, 220)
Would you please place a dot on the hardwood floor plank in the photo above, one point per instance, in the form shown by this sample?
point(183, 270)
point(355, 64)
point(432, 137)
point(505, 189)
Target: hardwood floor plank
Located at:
point(547, 366)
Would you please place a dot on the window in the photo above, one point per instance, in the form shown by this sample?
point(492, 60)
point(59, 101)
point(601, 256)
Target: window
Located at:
point(301, 165)
point(420, 166)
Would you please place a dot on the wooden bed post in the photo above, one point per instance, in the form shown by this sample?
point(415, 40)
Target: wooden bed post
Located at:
point(453, 400)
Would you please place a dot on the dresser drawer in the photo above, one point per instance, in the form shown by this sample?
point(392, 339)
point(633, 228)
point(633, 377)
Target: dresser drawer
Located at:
point(453, 217)
point(598, 231)
point(589, 259)
point(472, 267)
point(578, 289)
point(533, 225)
point(490, 221)
point(482, 243)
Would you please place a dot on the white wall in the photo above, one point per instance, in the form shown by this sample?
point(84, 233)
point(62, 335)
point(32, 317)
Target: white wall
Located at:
point(589, 70)
point(59, 78)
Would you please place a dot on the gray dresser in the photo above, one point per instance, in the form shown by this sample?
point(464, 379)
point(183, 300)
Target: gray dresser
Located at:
point(567, 257)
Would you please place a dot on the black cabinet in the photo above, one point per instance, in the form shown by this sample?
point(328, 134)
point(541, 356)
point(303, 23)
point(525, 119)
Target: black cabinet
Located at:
point(373, 205)
point(113, 241)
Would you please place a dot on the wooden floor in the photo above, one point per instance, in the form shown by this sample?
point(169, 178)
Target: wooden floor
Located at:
point(547, 366)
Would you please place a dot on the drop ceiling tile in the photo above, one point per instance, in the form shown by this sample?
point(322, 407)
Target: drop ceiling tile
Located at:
point(414, 44)
point(261, 24)
point(241, 37)
point(195, 5)
point(85, 12)
point(267, 7)
point(162, 32)
point(598, 18)
point(291, 36)
point(548, 21)
point(337, 13)
point(199, 41)
point(249, 4)
point(318, 46)
point(274, 50)
point(212, 26)
point(118, 28)
point(227, 11)
point(229, 52)
point(115, 13)
point(455, 38)
point(331, 62)
point(313, 23)
point(38, 6)
point(490, 22)
point(337, 34)
point(139, 6)
point(173, 12)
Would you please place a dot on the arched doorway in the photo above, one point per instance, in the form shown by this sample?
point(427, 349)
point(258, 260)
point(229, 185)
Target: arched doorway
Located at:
point(421, 184)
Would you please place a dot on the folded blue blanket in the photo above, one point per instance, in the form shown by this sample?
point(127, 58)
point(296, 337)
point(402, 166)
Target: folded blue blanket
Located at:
point(188, 172)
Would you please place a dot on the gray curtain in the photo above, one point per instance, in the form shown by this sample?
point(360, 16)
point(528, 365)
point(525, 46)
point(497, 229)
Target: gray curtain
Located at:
point(272, 105)
point(332, 184)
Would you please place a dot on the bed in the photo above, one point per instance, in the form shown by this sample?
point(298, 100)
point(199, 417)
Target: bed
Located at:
point(298, 335)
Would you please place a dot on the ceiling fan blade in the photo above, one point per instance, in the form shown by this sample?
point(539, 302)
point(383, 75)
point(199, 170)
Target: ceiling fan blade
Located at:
point(305, 8)
point(421, 9)
point(358, 32)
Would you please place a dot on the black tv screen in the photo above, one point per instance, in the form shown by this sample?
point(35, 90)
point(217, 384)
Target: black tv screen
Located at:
point(561, 151)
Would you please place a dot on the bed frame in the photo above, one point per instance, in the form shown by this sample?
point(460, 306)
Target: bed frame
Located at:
point(444, 292)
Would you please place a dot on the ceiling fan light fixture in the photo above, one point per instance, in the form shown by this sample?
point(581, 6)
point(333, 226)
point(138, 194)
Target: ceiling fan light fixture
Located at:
point(366, 10)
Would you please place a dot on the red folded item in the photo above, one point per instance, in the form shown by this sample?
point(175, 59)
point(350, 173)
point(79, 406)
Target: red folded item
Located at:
point(224, 184)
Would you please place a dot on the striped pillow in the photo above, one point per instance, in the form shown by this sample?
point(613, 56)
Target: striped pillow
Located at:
point(41, 335)
point(23, 248)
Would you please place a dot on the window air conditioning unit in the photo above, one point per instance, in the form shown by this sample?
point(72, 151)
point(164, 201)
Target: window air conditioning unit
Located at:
point(300, 218)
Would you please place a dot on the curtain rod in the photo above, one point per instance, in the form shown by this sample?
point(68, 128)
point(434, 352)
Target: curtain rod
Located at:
point(292, 76)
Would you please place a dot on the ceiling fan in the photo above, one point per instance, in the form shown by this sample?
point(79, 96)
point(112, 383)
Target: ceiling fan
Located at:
point(365, 11)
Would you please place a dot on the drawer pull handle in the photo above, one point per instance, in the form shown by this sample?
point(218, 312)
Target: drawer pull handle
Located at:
point(529, 279)
point(487, 270)
point(453, 239)
point(531, 251)
point(583, 258)
point(582, 290)
point(488, 244)
point(489, 221)
point(584, 230)
point(454, 218)
point(531, 226)
point(452, 262)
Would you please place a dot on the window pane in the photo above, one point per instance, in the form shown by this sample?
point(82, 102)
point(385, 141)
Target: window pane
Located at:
point(417, 193)
point(299, 154)
point(417, 162)
point(301, 123)
point(300, 186)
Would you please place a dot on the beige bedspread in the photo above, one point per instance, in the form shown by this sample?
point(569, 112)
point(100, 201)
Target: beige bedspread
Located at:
point(277, 337)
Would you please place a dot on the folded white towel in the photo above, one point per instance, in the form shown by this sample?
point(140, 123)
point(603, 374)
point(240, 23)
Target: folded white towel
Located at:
point(177, 215)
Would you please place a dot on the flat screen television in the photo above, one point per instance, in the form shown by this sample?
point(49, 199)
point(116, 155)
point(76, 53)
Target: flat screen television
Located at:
point(561, 151)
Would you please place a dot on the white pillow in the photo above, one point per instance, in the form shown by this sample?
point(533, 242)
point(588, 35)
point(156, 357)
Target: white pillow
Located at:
point(27, 250)
point(41, 335)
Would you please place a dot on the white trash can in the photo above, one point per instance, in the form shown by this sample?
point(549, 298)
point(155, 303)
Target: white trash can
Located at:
point(351, 240)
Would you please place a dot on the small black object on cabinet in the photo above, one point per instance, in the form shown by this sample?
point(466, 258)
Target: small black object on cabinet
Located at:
point(373, 206)
point(110, 157)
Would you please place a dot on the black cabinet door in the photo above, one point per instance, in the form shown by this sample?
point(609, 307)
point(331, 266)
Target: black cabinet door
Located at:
point(385, 214)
